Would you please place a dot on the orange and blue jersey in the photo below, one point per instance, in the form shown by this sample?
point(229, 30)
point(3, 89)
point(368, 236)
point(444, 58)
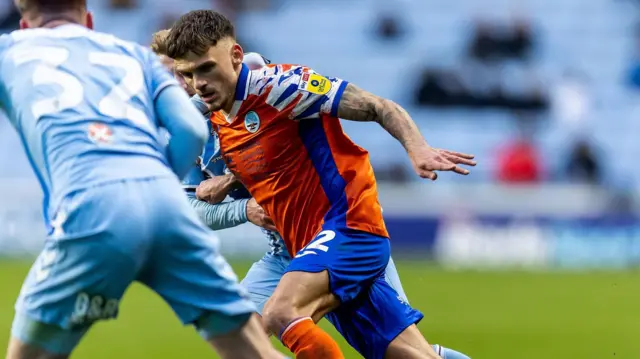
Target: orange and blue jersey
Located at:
point(284, 142)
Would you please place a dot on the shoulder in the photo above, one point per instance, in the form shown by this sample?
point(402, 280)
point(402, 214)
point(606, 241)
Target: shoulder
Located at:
point(216, 119)
point(5, 43)
point(109, 40)
point(276, 76)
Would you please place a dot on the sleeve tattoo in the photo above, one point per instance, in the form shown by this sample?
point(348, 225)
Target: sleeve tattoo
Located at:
point(359, 105)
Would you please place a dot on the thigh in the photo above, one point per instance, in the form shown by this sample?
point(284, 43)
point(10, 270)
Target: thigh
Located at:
point(44, 341)
point(187, 270)
point(411, 344)
point(72, 284)
point(352, 259)
point(372, 321)
point(299, 294)
point(263, 278)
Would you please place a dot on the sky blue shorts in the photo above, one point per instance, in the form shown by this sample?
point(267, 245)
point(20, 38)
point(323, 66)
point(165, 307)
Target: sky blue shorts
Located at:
point(106, 237)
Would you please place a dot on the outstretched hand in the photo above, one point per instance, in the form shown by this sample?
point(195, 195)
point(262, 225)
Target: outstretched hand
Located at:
point(428, 160)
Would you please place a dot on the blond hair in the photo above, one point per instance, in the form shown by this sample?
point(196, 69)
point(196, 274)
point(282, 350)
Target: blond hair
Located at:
point(159, 42)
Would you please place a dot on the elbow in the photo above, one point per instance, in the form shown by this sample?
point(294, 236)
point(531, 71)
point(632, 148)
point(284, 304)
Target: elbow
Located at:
point(384, 105)
point(379, 107)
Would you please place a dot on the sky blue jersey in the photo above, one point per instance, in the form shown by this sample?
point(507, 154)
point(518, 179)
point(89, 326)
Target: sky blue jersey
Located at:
point(83, 104)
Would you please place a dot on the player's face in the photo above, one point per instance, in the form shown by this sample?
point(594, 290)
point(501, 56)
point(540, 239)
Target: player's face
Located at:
point(183, 83)
point(168, 63)
point(213, 75)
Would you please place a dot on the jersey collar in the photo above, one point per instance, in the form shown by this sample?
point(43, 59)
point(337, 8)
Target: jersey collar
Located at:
point(242, 91)
point(242, 88)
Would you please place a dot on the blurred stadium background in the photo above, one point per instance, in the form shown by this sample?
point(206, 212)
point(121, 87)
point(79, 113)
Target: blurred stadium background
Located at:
point(532, 256)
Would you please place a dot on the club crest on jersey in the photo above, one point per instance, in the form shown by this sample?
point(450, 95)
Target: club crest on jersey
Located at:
point(314, 83)
point(252, 122)
point(100, 133)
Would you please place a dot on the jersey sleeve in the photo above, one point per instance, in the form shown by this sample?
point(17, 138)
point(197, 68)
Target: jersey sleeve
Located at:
point(159, 77)
point(5, 43)
point(304, 93)
point(222, 215)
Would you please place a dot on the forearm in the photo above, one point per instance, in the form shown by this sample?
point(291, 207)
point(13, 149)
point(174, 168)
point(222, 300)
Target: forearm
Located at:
point(221, 215)
point(186, 127)
point(359, 105)
point(216, 189)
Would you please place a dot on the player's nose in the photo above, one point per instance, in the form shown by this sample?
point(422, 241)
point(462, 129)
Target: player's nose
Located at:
point(200, 84)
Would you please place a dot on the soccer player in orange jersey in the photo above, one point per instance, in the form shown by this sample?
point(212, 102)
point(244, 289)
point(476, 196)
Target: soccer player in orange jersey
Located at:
point(279, 131)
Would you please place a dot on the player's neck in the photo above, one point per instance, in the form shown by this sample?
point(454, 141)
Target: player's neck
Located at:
point(51, 21)
point(56, 23)
point(226, 110)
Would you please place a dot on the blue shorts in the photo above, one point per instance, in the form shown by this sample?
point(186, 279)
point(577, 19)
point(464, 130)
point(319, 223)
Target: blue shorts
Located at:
point(105, 238)
point(264, 275)
point(371, 313)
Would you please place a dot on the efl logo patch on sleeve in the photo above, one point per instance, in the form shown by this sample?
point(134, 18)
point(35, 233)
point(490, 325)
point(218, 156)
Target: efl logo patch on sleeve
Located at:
point(315, 84)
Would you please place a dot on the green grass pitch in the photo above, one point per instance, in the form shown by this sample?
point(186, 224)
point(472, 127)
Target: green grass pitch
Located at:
point(489, 315)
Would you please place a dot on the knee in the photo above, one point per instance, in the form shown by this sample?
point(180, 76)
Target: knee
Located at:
point(35, 340)
point(277, 314)
point(20, 350)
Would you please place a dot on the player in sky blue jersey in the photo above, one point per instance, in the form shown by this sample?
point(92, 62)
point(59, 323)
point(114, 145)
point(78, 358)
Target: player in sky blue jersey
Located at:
point(88, 108)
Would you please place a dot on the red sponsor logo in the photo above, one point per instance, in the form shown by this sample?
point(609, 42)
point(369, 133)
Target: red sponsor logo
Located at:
point(100, 133)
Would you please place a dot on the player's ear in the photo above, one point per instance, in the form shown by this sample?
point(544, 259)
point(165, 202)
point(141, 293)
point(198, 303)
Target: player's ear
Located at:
point(89, 20)
point(237, 55)
point(23, 24)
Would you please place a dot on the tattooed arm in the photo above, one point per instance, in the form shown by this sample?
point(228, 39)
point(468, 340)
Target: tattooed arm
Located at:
point(359, 105)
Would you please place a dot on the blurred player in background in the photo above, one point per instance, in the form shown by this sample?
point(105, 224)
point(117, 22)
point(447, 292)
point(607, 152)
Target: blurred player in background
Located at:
point(158, 45)
point(210, 182)
point(280, 135)
point(209, 175)
point(88, 107)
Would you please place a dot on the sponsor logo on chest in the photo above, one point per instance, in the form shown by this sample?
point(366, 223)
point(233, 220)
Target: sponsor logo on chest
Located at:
point(252, 122)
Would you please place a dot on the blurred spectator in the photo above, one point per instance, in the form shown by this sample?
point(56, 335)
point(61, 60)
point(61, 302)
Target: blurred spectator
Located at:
point(518, 42)
point(473, 87)
point(484, 46)
point(9, 16)
point(488, 76)
point(388, 27)
point(441, 88)
point(519, 160)
point(123, 4)
point(389, 24)
point(493, 43)
point(583, 165)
